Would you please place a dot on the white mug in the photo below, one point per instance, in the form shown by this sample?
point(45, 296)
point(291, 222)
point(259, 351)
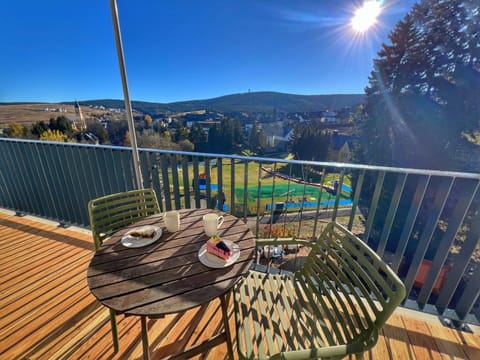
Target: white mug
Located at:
point(172, 220)
point(211, 223)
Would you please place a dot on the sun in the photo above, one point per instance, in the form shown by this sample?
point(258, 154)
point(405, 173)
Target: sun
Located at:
point(366, 16)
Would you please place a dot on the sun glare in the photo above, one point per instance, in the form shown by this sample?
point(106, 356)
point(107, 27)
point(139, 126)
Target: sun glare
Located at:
point(366, 16)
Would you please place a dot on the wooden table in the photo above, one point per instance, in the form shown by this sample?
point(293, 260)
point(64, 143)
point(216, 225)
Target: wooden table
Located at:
point(167, 276)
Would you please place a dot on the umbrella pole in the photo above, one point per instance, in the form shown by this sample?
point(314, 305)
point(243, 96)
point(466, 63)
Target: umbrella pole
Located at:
point(128, 105)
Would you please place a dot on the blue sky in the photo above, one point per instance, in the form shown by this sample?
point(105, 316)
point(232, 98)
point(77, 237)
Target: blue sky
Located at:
point(59, 50)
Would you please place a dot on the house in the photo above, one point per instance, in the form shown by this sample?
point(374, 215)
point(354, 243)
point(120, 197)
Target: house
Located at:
point(328, 117)
point(277, 135)
point(341, 147)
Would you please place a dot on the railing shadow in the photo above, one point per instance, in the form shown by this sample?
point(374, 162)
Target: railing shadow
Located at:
point(57, 235)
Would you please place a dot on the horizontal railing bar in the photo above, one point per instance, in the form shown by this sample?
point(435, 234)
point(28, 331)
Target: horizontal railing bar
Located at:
point(431, 172)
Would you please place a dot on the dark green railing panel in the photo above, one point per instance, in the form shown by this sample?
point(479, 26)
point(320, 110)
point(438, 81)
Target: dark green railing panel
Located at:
point(317, 212)
point(175, 182)
point(81, 183)
point(23, 187)
point(337, 196)
point(470, 293)
point(186, 183)
point(166, 181)
point(196, 182)
point(208, 182)
point(461, 263)
point(245, 191)
point(356, 197)
point(273, 208)
point(392, 211)
point(468, 189)
point(56, 180)
point(434, 212)
point(220, 193)
point(145, 169)
point(156, 181)
point(304, 191)
point(410, 220)
point(259, 191)
point(10, 169)
point(117, 171)
point(232, 187)
point(373, 208)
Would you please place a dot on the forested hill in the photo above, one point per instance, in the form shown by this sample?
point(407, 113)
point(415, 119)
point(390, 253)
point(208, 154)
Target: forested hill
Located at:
point(249, 102)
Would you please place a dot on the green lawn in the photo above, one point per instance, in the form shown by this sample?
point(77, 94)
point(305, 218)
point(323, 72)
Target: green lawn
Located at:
point(282, 186)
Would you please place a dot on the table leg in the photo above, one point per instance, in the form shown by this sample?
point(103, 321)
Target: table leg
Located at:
point(146, 353)
point(223, 300)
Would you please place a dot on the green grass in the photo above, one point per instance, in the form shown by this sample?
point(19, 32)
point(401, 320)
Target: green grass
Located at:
point(282, 186)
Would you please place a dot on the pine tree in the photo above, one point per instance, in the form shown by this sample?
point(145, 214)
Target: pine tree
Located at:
point(416, 108)
point(198, 137)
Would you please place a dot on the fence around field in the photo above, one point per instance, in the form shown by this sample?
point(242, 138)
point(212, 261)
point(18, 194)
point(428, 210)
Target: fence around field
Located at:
point(425, 223)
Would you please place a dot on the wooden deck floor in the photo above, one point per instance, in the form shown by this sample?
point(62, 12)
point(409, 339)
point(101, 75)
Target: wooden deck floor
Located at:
point(47, 311)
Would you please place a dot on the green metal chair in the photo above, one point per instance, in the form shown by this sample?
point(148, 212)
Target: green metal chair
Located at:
point(332, 306)
point(111, 213)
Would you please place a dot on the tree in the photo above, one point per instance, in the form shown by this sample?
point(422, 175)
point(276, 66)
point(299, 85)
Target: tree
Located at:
point(61, 123)
point(421, 98)
point(181, 133)
point(310, 142)
point(53, 135)
point(117, 130)
point(38, 128)
point(15, 130)
point(126, 139)
point(186, 145)
point(422, 91)
point(154, 140)
point(96, 128)
point(257, 140)
point(148, 121)
point(238, 134)
point(214, 139)
point(198, 137)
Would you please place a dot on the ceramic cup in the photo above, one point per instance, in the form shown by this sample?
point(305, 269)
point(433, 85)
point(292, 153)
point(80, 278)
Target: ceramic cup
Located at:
point(172, 220)
point(211, 224)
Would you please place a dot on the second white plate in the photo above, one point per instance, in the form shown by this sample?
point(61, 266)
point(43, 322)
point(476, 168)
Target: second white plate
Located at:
point(213, 261)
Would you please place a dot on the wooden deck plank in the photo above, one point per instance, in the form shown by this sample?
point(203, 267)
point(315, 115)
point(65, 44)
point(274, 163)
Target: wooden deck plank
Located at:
point(17, 288)
point(423, 343)
point(447, 342)
point(47, 311)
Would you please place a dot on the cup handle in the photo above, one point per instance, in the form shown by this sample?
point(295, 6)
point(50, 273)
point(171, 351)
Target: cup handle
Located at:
point(219, 221)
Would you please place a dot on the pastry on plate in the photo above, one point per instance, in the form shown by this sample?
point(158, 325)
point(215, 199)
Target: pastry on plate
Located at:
point(145, 233)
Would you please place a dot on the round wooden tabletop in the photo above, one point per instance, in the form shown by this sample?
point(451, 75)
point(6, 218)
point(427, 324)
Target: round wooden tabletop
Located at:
point(167, 276)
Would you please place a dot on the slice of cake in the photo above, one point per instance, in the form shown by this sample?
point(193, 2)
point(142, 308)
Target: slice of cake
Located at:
point(145, 232)
point(217, 247)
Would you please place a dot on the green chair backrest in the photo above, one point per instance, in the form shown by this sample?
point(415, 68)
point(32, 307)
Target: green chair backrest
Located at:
point(348, 269)
point(112, 212)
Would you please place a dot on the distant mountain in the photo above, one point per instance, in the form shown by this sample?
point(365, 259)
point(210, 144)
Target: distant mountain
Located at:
point(249, 102)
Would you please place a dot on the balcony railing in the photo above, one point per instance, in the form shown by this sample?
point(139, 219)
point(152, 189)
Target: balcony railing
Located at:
point(425, 223)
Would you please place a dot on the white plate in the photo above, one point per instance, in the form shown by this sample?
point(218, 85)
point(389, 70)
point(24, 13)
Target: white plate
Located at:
point(214, 261)
point(139, 241)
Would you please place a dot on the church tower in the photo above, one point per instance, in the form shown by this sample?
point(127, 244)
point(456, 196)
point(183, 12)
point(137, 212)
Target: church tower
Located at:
point(79, 122)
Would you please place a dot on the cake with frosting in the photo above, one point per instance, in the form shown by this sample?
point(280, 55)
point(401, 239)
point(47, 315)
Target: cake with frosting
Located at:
point(217, 247)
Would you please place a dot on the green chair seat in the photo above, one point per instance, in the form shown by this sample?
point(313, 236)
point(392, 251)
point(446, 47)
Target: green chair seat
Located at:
point(111, 213)
point(332, 306)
